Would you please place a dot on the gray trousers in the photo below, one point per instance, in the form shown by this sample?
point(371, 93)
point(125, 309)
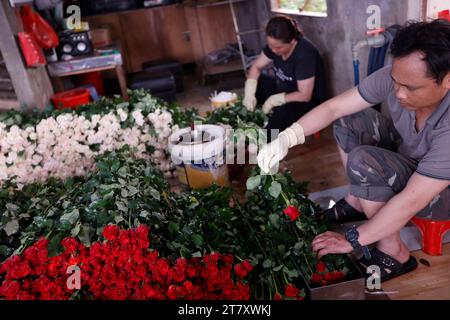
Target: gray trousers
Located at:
point(375, 169)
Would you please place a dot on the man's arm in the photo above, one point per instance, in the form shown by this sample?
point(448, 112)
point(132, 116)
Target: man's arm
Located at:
point(259, 64)
point(418, 193)
point(325, 114)
point(304, 91)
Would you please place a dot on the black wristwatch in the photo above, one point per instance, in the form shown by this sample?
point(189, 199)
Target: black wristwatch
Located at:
point(352, 236)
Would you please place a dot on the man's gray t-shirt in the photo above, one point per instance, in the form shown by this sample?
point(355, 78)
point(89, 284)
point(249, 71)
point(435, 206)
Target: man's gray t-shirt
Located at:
point(430, 147)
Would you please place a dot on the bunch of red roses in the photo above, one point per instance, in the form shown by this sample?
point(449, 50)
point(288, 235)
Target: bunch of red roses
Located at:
point(291, 292)
point(323, 277)
point(122, 267)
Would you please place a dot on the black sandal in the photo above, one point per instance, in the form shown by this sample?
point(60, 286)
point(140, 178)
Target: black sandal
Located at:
point(341, 212)
point(389, 266)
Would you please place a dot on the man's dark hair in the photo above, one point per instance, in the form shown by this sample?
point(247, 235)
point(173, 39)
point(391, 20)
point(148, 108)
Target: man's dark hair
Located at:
point(430, 38)
point(283, 28)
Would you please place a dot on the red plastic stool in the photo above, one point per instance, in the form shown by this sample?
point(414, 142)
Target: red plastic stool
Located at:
point(432, 233)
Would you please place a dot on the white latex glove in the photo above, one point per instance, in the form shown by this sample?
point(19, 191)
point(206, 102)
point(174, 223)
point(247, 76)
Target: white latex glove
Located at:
point(271, 154)
point(249, 94)
point(274, 101)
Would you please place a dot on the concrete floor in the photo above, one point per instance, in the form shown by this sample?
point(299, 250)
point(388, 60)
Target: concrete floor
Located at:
point(197, 95)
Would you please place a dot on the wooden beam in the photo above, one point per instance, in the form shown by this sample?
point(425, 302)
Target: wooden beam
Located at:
point(32, 86)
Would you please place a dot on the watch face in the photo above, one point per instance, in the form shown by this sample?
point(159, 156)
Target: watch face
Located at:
point(351, 235)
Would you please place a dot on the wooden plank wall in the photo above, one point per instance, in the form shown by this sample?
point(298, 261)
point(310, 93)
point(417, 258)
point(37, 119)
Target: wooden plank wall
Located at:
point(183, 32)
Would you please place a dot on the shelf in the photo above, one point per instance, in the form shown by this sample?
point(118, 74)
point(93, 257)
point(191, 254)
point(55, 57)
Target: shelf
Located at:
point(208, 3)
point(212, 69)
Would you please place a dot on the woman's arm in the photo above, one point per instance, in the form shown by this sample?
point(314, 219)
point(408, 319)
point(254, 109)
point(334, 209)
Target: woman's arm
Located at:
point(260, 63)
point(304, 91)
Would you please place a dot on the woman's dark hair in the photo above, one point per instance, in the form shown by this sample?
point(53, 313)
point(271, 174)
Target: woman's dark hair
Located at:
point(283, 28)
point(430, 38)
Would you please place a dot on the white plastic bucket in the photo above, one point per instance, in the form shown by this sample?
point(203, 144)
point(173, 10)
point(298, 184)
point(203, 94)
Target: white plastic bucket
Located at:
point(199, 156)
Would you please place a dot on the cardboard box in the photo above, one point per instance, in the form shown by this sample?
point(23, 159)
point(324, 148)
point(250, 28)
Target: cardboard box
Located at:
point(101, 37)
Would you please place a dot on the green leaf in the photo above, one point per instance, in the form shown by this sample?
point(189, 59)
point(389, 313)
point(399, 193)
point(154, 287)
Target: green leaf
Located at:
point(121, 206)
point(70, 217)
point(253, 182)
point(173, 228)
point(12, 207)
point(144, 214)
point(290, 273)
point(299, 225)
point(267, 263)
point(276, 269)
point(11, 227)
point(118, 219)
point(299, 245)
point(274, 220)
point(154, 193)
point(275, 189)
point(198, 239)
point(132, 191)
point(54, 246)
point(115, 166)
point(86, 234)
point(123, 172)
point(75, 231)
point(4, 251)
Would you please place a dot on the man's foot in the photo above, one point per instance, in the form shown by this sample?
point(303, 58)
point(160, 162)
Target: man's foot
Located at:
point(389, 266)
point(341, 212)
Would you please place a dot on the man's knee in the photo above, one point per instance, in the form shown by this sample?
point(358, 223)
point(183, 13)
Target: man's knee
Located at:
point(362, 161)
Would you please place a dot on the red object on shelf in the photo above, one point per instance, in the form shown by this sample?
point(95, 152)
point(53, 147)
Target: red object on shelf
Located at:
point(444, 14)
point(71, 98)
point(31, 51)
point(94, 78)
point(37, 26)
point(432, 234)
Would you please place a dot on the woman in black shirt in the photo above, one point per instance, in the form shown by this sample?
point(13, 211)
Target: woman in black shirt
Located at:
point(298, 84)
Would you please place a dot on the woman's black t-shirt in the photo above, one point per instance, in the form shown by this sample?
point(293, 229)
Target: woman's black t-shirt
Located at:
point(305, 62)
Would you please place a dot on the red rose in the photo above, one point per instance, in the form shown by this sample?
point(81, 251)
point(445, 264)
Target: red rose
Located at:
point(71, 244)
point(333, 277)
point(321, 267)
point(191, 271)
point(292, 212)
point(172, 292)
point(9, 289)
point(115, 293)
point(31, 254)
point(291, 291)
point(42, 243)
point(247, 265)
point(277, 296)
point(111, 232)
point(240, 271)
point(227, 259)
point(316, 278)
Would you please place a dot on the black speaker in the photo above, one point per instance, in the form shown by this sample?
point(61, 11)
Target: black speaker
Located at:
point(73, 44)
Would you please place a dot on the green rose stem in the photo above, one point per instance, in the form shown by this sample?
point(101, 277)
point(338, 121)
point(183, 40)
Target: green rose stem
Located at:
point(288, 203)
point(276, 287)
point(307, 263)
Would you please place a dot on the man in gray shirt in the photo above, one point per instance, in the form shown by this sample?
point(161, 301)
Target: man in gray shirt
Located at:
point(396, 167)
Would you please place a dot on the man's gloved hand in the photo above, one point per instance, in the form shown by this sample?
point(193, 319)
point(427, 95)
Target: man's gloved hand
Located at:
point(249, 94)
point(271, 154)
point(274, 101)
